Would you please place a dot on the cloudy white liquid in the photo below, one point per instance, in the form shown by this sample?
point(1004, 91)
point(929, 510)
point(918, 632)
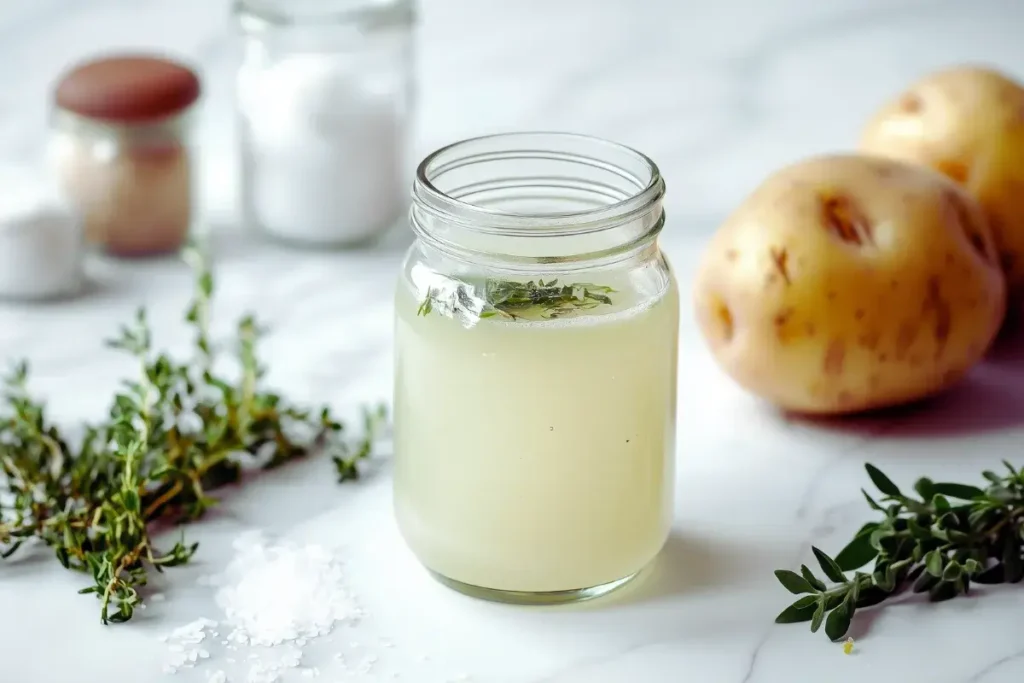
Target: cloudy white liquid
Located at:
point(536, 456)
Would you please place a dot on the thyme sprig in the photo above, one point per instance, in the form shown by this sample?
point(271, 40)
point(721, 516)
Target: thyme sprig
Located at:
point(927, 544)
point(513, 300)
point(174, 433)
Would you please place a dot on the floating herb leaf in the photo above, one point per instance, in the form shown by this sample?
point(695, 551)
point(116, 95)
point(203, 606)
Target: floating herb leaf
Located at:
point(926, 544)
point(175, 432)
point(510, 299)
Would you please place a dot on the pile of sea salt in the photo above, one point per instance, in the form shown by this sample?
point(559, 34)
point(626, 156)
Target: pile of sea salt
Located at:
point(276, 598)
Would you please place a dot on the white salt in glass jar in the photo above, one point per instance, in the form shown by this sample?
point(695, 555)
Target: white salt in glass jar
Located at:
point(121, 147)
point(535, 369)
point(324, 104)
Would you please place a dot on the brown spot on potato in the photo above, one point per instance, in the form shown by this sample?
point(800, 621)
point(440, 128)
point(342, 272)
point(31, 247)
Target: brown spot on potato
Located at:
point(859, 314)
point(810, 329)
point(894, 284)
point(723, 320)
point(978, 242)
point(844, 220)
point(883, 358)
point(905, 338)
point(869, 340)
point(835, 357)
point(731, 255)
point(785, 332)
point(780, 258)
point(954, 170)
point(844, 399)
point(886, 170)
point(874, 381)
point(911, 103)
point(936, 304)
point(832, 295)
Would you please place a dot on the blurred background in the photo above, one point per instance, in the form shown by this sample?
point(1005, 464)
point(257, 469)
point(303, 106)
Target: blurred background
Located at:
point(719, 94)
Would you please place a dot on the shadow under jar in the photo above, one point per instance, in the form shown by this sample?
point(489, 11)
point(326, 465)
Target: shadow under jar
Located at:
point(536, 343)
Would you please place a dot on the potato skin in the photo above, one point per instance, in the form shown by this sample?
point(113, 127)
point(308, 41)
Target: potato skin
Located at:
point(846, 283)
point(966, 122)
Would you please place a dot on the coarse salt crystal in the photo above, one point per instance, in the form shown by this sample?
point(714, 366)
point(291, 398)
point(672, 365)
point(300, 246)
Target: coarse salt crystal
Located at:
point(276, 598)
point(274, 594)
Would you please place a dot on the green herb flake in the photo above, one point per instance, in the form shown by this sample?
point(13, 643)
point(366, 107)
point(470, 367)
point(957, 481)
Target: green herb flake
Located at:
point(546, 300)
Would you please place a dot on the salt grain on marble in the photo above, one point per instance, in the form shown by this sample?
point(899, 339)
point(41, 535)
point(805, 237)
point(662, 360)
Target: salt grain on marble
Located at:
point(183, 644)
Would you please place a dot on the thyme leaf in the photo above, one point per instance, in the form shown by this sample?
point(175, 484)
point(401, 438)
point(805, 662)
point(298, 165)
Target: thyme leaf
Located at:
point(511, 299)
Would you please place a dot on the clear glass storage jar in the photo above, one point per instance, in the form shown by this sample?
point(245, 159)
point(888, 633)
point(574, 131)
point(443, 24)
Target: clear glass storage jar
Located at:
point(324, 110)
point(122, 150)
point(535, 368)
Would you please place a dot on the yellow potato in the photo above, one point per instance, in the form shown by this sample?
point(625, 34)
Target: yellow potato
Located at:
point(968, 123)
point(846, 283)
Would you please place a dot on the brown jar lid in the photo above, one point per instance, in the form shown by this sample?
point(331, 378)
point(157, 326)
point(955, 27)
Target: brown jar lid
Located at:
point(127, 88)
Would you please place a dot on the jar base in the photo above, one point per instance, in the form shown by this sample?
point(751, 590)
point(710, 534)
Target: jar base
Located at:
point(531, 597)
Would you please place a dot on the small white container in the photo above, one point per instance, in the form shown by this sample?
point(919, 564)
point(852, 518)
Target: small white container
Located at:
point(41, 240)
point(324, 108)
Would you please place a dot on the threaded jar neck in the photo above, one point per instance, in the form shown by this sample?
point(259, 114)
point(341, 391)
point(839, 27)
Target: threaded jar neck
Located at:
point(257, 16)
point(533, 198)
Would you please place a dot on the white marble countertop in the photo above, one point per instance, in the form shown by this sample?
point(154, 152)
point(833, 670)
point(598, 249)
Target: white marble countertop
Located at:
point(719, 94)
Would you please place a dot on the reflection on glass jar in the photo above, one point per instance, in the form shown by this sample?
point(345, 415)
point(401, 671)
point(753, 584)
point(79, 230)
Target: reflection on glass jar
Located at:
point(535, 378)
point(121, 148)
point(323, 98)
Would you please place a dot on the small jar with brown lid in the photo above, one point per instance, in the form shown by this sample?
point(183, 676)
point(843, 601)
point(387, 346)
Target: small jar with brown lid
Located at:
point(121, 148)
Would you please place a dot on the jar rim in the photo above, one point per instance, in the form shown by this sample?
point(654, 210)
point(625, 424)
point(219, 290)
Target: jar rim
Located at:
point(278, 13)
point(485, 219)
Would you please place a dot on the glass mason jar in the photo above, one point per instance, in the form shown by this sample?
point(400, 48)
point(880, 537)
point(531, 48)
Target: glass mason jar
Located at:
point(324, 110)
point(535, 370)
point(121, 148)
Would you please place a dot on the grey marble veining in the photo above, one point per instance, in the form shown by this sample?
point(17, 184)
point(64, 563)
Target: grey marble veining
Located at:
point(719, 94)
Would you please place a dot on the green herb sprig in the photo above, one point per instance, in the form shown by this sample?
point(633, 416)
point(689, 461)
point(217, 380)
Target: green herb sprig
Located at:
point(174, 433)
point(513, 300)
point(927, 544)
